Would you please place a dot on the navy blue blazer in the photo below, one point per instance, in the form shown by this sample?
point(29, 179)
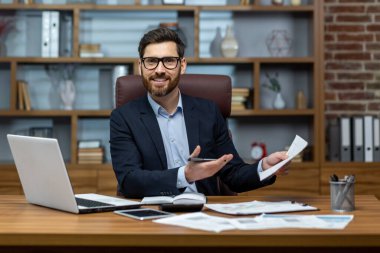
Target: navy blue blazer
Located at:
point(139, 159)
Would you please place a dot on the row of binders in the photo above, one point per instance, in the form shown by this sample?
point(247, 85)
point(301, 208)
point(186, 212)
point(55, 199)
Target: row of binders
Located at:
point(56, 34)
point(359, 139)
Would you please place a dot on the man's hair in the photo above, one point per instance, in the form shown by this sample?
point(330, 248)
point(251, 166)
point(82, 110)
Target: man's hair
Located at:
point(159, 35)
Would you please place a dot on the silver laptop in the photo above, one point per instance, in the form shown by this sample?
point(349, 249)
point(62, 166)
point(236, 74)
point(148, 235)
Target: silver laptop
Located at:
point(45, 181)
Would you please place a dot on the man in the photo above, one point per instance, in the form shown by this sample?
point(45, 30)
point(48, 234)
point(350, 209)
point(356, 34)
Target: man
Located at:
point(152, 137)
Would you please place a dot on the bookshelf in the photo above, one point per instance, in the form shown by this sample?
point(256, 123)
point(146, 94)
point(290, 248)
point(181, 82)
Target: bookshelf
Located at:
point(117, 29)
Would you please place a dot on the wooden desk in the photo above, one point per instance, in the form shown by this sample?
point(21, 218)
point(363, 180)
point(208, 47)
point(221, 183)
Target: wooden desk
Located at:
point(26, 227)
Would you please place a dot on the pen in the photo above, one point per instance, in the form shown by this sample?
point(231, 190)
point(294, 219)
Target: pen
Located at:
point(199, 160)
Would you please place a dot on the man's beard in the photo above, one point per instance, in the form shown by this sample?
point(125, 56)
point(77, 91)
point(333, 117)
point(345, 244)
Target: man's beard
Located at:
point(162, 91)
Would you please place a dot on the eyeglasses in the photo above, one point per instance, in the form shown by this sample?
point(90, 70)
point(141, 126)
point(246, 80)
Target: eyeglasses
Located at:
point(151, 63)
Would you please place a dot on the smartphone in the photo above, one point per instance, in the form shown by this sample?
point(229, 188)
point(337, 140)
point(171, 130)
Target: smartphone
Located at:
point(143, 213)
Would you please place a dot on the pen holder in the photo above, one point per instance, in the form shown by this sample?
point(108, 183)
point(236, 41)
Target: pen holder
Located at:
point(342, 196)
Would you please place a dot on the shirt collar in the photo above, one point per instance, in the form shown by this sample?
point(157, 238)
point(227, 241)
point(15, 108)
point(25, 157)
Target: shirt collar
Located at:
point(159, 110)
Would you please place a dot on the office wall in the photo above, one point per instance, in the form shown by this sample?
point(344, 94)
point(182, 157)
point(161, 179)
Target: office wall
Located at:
point(352, 57)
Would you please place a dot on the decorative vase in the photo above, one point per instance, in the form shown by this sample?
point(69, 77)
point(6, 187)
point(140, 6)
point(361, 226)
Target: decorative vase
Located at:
point(301, 100)
point(215, 45)
point(279, 43)
point(277, 2)
point(229, 45)
point(67, 93)
point(279, 102)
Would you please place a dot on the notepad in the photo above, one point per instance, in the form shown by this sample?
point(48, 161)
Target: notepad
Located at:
point(183, 199)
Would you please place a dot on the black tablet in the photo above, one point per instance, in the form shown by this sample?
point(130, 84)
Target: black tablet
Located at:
point(143, 213)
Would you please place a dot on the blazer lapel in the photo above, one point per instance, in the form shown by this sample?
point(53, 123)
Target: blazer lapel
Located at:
point(150, 123)
point(191, 121)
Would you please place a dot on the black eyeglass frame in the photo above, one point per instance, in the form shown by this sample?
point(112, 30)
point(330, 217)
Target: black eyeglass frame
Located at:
point(160, 60)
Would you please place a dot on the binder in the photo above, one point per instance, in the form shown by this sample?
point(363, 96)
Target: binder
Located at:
point(345, 139)
point(45, 47)
point(333, 141)
point(50, 34)
point(376, 139)
point(54, 33)
point(358, 139)
point(368, 138)
point(65, 35)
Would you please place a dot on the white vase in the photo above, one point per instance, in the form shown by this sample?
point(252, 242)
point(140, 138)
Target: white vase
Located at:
point(67, 93)
point(229, 45)
point(279, 102)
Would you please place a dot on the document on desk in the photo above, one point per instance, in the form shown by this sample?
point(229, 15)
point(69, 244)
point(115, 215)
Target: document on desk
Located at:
point(216, 224)
point(271, 221)
point(198, 220)
point(258, 207)
point(297, 146)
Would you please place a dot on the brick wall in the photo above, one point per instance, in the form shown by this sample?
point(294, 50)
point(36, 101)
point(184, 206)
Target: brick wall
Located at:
point(352, 57)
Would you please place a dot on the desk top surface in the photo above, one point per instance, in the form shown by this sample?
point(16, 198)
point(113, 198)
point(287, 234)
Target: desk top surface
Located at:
point(26, 224)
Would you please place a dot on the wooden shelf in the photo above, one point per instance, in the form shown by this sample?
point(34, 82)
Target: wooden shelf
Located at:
point(270, 113)
point(91, 7)
point(56, 113)
point(351, 165)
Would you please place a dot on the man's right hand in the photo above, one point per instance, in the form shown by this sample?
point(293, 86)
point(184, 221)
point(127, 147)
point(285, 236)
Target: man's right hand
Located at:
point(199, 170)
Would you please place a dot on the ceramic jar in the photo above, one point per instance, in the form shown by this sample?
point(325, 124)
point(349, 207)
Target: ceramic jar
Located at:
point(229, 45)
point(278, 102)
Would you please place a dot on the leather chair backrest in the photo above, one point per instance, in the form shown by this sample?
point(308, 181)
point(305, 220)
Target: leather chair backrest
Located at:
point(213, 87)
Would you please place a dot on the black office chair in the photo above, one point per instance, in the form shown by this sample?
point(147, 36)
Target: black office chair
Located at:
point(213, 87)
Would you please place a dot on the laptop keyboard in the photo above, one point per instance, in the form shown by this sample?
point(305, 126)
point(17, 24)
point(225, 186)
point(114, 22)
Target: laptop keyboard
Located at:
point(90, 203)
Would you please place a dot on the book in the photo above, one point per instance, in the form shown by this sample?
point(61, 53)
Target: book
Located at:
point(91, 150)
point(89, 144)
point(25, 92)
point(186, 198)
point(89, 55)
point(20, 96)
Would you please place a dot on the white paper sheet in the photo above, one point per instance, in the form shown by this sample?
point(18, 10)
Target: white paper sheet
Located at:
point(258, 207)
point(297, 146)
point(311, 221)
point(198, 220)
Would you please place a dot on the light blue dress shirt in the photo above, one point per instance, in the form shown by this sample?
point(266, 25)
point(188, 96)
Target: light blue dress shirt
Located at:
point(174, 135)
